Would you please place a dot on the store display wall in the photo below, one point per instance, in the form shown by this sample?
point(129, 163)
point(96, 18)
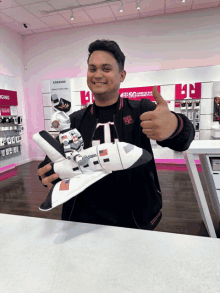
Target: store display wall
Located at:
point(12, 79)
point(204, 110)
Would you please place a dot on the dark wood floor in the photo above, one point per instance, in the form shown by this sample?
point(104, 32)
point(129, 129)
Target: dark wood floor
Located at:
point(22, 194)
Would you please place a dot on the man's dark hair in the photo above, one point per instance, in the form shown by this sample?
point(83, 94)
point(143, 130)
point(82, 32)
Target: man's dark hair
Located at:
point(109, 46)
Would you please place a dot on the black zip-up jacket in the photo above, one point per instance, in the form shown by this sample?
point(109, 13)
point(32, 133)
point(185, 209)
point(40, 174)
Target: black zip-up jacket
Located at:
point(136, 190)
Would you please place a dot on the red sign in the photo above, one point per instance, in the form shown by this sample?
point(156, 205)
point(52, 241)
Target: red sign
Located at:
point(183, 91)
point(138, 93)
point(8, 98)
point(5, 111)
point(85, 97)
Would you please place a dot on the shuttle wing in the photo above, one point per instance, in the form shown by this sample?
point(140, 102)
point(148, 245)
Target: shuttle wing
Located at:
point(68, 188)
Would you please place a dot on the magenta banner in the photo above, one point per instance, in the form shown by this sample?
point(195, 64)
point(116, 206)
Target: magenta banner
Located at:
point(8, 98)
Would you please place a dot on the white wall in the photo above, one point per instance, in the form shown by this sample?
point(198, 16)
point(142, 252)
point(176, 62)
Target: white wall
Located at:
point(176, 41)
point(12, 78)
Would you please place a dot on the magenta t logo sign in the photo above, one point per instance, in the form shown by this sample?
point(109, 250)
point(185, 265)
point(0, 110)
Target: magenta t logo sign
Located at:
point(190, 90)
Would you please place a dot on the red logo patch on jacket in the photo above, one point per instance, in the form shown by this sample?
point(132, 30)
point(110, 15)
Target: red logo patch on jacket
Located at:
point(128, 120)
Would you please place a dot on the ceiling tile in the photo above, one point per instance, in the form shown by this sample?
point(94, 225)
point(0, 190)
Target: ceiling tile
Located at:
point(126, 17)
point(177, 3)
point(129, 9)
point(85, 23)
point(147, 6)
point(105, 20)
point(68, 11)
point(35, 23)
point(152, 13)
point(26, 33)
point(8, 4)
point(36, 9)
point(204, 1)
point(207, 5)
point(96, 6)
point(48, 29)
point(79, 16)
point(54, 20)
point(62, 27)
point(98, 13)
point(178, 9)
point(124, 1)
point(16, 26)
point(5, 18)
point(58, 4)
point(24, 2)
point(19, 14)
point(84, 2)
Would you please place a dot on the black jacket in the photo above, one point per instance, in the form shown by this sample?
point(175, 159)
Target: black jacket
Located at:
point(135, 191)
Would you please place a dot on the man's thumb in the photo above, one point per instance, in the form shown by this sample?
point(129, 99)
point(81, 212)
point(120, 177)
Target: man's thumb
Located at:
point(158, 98)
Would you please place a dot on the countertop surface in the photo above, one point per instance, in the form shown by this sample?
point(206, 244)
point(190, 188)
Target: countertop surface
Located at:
point(49, 256)
point(204, 147)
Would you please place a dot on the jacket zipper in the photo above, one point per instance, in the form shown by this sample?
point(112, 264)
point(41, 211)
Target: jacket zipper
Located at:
point(94, 131)
point(115, 127)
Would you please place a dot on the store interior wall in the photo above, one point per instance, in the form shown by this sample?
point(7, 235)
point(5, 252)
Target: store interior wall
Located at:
point(12, 78)
point(181, 40)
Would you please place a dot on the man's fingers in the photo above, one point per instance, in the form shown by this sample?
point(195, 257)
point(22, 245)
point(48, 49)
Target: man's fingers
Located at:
point(44, 170)
point(49, 185)
point(47, 180)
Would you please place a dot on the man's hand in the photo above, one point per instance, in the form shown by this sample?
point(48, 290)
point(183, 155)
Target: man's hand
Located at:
point(47, 180)
point(159, 124)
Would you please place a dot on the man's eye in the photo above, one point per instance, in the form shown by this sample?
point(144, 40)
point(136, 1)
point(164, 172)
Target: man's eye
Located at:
point(104, 69)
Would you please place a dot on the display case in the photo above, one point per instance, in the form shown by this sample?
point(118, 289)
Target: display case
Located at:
point(191, 109)
point(211, 169)
point(11, 127)
point(10, 136)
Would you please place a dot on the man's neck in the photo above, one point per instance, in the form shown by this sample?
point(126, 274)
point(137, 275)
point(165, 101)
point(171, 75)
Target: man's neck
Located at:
point(104, 103)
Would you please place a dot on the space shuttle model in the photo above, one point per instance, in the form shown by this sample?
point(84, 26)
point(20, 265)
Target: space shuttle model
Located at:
point(102, 160)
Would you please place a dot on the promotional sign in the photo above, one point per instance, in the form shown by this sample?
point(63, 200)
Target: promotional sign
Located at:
point(61, 95)
point(138, 93)
point(8, 98)
point(5, 111)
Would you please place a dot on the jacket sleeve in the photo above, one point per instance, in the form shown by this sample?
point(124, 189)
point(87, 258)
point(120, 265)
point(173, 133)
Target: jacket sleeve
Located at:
point(44, 163)
point(181, 139)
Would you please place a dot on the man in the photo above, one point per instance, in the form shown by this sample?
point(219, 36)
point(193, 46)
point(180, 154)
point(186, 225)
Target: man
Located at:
point(129, 198)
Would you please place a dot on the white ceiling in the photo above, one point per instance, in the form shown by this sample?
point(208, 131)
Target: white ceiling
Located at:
point(14, 13)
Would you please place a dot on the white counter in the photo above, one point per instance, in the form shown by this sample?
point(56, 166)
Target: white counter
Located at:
point(50, 256)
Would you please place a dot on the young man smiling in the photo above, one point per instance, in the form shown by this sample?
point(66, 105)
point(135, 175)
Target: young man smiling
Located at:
point(130, 198)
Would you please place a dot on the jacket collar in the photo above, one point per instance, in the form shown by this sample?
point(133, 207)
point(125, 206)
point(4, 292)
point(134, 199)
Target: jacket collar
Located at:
point(118, 108)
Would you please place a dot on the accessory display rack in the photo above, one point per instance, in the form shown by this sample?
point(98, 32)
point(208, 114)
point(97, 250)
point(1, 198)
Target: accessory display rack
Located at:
point(10, 136)
point(191, 109)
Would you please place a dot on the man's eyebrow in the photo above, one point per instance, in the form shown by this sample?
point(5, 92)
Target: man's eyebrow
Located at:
point(102, 64)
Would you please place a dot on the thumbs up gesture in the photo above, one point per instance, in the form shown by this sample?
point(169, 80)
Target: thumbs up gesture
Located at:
point(159, 124)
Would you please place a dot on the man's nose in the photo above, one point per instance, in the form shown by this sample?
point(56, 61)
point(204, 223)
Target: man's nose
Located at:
point(98, 73)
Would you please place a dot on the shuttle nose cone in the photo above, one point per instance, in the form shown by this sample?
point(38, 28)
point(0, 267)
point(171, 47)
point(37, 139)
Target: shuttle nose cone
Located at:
point(145, 158)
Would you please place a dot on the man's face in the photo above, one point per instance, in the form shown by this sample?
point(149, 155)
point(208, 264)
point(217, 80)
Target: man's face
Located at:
point(102, 67)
